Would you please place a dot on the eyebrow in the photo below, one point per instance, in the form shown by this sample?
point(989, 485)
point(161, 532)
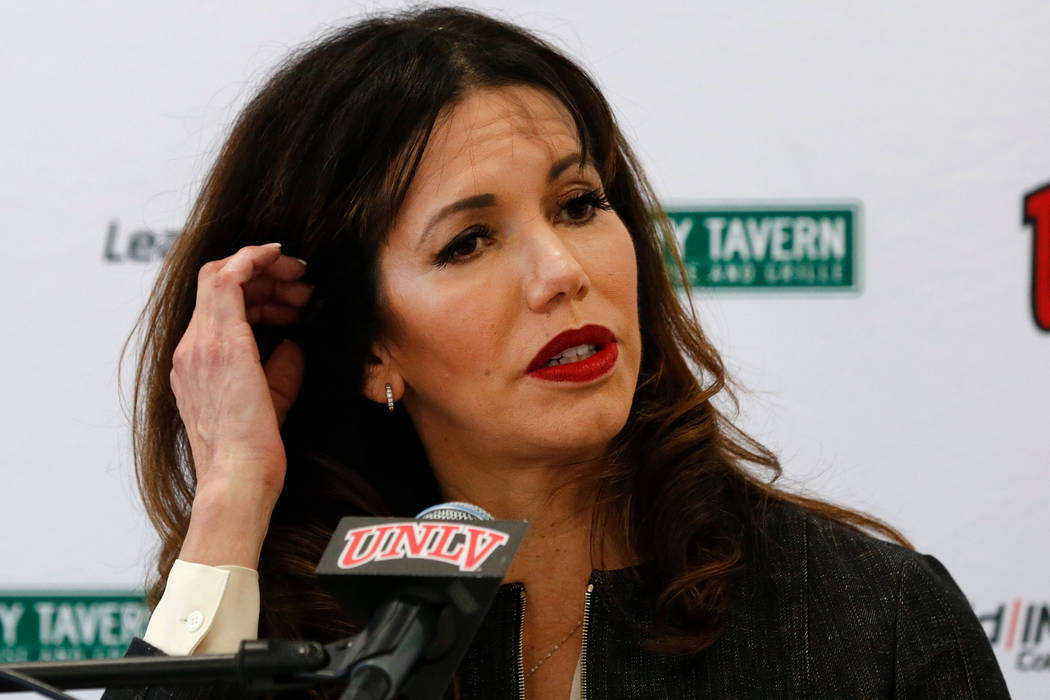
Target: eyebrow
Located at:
point(481, 201)
point(563, 164)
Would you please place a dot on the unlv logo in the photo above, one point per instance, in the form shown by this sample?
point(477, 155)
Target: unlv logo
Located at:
point(1037, 213)
point(463, 546)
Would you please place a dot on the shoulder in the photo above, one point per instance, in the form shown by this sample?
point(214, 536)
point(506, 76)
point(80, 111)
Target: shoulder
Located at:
point(836, 554)
point(849, 589)
point(836, 560)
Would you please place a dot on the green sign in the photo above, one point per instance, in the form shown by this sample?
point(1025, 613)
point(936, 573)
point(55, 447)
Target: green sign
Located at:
point(769, 247)
point(60, 625)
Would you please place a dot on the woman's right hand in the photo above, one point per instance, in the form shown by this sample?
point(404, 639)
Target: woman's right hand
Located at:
point(232, 405)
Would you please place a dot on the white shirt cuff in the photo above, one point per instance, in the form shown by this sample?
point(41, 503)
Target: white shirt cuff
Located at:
point(205, 610)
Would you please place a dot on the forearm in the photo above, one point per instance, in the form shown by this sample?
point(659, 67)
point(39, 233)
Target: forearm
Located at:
point(228, 525)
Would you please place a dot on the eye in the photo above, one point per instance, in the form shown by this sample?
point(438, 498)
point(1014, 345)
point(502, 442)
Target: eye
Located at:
point(581, 207)
point(465, 246)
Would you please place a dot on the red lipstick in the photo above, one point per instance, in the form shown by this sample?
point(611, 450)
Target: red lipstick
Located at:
point(585, 369)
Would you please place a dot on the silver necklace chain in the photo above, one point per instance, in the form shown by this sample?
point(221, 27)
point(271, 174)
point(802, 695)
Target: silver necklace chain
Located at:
point(557, 646)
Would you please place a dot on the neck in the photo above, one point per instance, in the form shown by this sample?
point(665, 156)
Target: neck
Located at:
point(554, 560)
point(557, 500)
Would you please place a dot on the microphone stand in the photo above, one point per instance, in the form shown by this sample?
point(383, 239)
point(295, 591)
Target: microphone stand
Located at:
point(375, 663)
point(259, 666)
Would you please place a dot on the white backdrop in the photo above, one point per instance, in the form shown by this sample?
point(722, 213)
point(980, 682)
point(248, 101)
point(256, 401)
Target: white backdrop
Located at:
point(921, 398)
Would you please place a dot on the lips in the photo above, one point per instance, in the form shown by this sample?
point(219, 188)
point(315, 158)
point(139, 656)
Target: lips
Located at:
point(572, 367)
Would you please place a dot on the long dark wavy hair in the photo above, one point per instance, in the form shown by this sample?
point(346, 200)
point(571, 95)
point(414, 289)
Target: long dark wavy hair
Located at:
point(320, 160)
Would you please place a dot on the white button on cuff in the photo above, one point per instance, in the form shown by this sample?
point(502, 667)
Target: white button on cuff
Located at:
point(194, 620)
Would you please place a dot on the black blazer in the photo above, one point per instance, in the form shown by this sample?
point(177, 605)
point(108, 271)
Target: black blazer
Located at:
point(821, 612)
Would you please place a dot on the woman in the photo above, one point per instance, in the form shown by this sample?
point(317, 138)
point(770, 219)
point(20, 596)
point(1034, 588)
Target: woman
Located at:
point(427, 267)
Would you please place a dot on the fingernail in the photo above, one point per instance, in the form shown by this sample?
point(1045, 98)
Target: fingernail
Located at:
point(271, 245)
point(300, 260)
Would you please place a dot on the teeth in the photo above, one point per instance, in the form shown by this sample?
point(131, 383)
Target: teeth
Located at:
point(580, 352)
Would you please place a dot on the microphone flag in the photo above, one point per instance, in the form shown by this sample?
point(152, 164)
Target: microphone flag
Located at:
point(450, 562)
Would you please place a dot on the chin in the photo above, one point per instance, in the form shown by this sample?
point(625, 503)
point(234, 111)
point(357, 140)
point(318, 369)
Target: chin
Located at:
point(599, 428)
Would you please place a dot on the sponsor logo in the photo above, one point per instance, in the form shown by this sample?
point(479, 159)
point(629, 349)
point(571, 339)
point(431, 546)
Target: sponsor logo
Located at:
point(463, 546)
point(56, 626)
point(1037, 213)
point(772, 247)
point(1021, 630)
point(140, 246)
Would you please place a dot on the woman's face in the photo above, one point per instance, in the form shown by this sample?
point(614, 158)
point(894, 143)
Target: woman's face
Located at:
point(504, 244)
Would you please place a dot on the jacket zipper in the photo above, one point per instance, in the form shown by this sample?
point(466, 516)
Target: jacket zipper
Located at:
point(521, 648)
point(583, 641)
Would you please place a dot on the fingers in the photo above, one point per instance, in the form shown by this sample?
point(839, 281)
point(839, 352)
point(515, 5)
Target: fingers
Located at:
point(272, 314)
point(284, 374)
point(275, 303)
point(286, 268)
point(265, 288)
point(251, 285)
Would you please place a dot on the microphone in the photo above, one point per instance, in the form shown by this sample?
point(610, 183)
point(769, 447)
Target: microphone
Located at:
point(425, 585)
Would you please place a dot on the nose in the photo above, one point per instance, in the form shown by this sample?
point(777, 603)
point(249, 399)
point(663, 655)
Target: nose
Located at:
point(554, 273)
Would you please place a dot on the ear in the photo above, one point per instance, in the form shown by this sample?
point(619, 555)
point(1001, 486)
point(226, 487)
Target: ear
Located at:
point(380, 371)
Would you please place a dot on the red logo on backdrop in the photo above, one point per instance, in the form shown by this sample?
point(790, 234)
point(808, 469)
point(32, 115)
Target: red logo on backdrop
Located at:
point(463, 546)
point(1037, 213)
point(1020, 629)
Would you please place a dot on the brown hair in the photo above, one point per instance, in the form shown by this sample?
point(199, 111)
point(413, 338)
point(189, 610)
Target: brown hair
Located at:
point(320, 160)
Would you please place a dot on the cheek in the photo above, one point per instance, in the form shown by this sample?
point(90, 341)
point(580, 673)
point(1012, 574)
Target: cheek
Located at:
point(620, 271)
point(443, 333)
point(619, 268)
